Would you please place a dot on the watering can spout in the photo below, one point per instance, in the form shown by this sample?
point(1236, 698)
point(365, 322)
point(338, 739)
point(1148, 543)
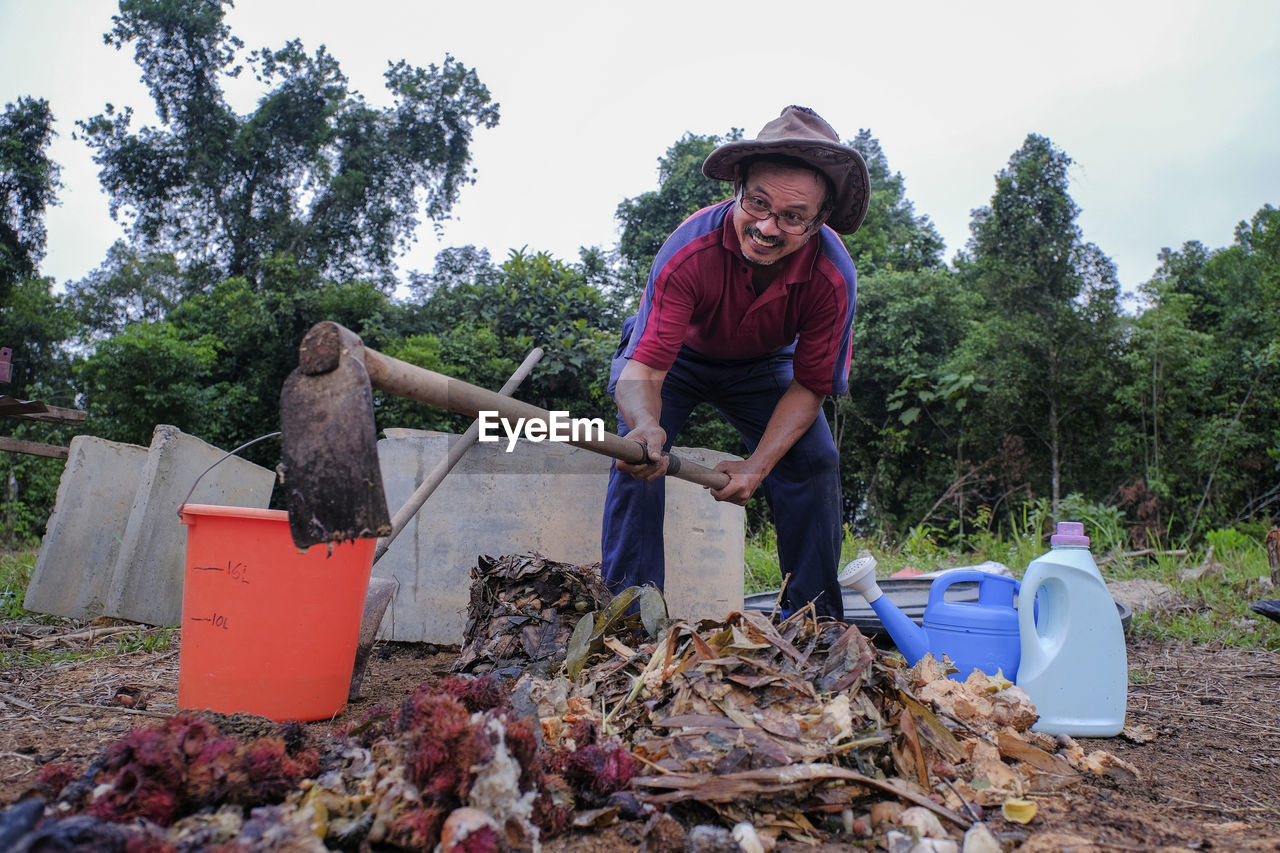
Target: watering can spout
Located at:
point(909, 637)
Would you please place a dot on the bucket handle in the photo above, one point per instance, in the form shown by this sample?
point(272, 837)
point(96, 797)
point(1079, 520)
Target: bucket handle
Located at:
point(248, 443)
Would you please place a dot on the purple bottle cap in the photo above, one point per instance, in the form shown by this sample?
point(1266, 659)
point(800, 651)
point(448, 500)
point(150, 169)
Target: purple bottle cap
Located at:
point(1069, 533)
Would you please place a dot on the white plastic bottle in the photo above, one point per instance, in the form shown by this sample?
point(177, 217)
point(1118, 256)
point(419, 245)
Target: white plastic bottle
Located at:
point(1074, 665)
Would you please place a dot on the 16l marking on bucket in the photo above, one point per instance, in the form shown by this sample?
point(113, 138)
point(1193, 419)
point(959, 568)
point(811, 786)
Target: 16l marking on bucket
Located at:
point(236, 571)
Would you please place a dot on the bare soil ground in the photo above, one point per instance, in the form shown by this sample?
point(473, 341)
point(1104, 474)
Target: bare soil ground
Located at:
point(1209, 772)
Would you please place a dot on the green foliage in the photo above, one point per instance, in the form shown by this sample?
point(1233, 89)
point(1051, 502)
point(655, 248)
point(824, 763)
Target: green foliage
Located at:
point(1217, 610)
point(127, 288)
point(148, 640)
point(28, 184)
point(1229, 545)
point(488, 318)
point(980, 394)
point(1047, 330)
point(147, 375)
point(1199, 414)
point(1217, 602)
point(29, 486)
point(1103, 524)
point(36, 325)
point(648, 219)
point(16, 569)
point(15, 577)
point(761, 571)
point(314, 172)
point(892, 237)
point(901, 427)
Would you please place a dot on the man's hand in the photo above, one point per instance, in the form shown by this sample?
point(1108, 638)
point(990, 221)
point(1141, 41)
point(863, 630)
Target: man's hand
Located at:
point(793, 415)
point(744, 478)
point(639, 398)
point(653, 438)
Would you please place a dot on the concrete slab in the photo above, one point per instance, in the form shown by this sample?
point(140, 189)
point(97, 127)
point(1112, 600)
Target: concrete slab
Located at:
point(546, 497)
point(146, 579)
point(82, 538)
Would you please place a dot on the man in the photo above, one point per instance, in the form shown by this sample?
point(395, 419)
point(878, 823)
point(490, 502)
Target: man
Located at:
point(749, 307)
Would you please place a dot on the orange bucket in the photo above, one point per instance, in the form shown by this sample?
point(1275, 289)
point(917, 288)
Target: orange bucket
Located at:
point(267, 629)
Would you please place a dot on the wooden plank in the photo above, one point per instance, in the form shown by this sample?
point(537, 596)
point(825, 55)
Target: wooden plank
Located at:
point(59, 415)
point(17, 445)
point(34, 410)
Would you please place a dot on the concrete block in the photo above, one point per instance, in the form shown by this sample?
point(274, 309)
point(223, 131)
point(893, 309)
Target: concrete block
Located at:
point(146, 579)
point(82, 539)
point(544, 497)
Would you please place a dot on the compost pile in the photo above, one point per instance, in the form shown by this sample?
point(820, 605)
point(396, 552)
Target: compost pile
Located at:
point(747, 728)
point(522, 612)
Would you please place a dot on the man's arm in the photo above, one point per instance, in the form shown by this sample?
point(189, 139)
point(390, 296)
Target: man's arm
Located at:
point(791, 418)
point(639, 398)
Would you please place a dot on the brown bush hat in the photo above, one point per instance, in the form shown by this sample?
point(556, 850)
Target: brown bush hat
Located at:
point(801, 133)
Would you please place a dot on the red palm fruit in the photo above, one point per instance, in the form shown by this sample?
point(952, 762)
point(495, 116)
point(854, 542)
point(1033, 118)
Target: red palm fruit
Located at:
point(469, 830)
point(133, 793)
point(598, 770)
point(477, 693)
point(52, 778)
point(418, 829)
point(523, 746)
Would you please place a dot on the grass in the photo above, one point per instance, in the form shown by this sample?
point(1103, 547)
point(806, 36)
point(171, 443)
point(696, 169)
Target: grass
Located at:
point(1216, 609)
point(15, 575)
point(1216, 612)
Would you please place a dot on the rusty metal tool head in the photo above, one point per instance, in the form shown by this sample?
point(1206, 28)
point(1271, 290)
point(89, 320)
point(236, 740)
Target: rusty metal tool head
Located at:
point(330, 473)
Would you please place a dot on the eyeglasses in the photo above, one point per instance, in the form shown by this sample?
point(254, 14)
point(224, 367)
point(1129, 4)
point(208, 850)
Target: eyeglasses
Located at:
point(789, 222)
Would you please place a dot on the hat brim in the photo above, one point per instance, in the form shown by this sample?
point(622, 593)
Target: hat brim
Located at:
point(842, 165)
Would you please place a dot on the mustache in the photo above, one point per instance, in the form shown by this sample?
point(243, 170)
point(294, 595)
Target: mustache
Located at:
point(758, 235)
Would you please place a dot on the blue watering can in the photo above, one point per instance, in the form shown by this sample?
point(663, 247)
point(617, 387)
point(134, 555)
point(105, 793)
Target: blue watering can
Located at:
point(980, 634)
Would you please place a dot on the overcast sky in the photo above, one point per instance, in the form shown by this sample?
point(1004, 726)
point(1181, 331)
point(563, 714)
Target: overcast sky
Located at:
point(1170, 109)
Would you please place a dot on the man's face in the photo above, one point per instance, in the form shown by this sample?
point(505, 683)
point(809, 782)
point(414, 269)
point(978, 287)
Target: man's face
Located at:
point(789, 192)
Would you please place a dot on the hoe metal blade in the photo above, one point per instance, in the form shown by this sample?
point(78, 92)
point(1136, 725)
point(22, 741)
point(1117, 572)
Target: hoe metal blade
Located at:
point(330, 472)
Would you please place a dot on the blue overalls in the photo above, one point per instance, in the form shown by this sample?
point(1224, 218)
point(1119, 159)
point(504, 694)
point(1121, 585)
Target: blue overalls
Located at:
point(803, 490)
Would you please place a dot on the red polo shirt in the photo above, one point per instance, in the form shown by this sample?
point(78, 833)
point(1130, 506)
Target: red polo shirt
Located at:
point(700, 295)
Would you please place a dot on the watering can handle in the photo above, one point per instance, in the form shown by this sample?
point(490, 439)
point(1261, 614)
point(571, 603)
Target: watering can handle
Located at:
point(992, 588)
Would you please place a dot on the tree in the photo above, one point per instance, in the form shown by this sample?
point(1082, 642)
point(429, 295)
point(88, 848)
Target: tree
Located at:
point(531, 299)
point(892, 237)
point(28, 184)
point(36, 324)
point(314, 172)
point(127, 288)
point(215, 364)
point(1204, 380)
point(1048, 329)
point(649, 218)
point(901, 426)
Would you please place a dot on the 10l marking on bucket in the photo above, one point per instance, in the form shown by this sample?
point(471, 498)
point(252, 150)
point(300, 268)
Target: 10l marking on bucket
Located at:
point(235, 571)
point(218, 620)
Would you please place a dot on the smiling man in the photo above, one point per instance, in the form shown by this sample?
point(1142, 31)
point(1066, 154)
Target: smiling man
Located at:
point(749, 308)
